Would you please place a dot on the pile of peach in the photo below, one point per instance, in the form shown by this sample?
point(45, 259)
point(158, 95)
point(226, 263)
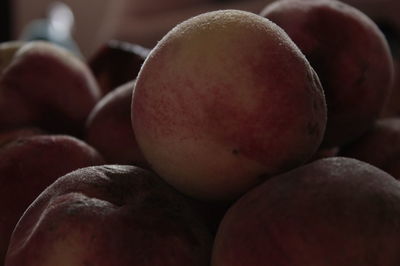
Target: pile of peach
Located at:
point(240, 139)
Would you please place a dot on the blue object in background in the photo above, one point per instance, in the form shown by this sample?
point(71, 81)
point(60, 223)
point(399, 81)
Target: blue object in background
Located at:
point(55, 28)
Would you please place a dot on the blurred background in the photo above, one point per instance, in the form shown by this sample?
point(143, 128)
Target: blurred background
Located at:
point(144, 21)
point(16, 15)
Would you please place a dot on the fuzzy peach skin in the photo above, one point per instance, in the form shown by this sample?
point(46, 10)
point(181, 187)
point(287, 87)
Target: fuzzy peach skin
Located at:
point(28, 165)
point(46, 86)
point(109, 128)
point(110, 215)
point(223, 100)
point(350, 55)
point(379, 146)
point(334, 211)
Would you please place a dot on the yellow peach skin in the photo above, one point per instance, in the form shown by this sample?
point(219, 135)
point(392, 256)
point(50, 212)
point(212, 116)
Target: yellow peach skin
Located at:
point(225, 100)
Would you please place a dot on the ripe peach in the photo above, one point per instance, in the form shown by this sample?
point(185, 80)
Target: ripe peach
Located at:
point(350, 55)
point(28, 165)
point(110, 215)
point(379, 146)
point(115, 63)
point(109, 128)
point(213, 111)
point(46, 86)
point(335, 211)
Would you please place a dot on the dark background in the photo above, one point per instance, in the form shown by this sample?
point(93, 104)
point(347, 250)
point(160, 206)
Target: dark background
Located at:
point(5, 20)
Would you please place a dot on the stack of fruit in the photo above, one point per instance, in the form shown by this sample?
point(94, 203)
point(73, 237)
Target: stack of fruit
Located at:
point(240, 139)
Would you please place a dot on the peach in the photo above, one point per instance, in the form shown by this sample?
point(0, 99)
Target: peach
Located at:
point(110, 215)
point(28, 165)
point(115, 63)
point(7, 136)
point(214, 113)
point(350, 55)
point(45, 86)
point(379, 146)
point(334, 211)
point(109, 128)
